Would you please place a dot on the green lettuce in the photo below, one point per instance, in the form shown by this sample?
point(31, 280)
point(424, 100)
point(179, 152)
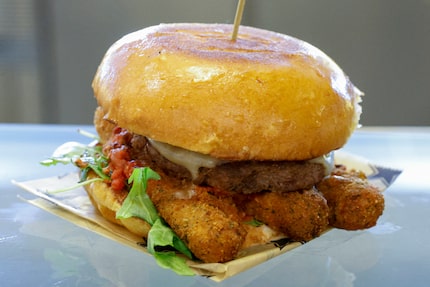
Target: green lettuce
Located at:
point(138, 204)
point(160, 235)
point(86, 157)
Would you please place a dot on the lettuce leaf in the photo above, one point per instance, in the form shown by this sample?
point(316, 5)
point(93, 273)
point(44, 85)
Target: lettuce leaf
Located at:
point(138, 204)
point(170, 260)
point(90, 157)
point(66, 153)
point(160, 235)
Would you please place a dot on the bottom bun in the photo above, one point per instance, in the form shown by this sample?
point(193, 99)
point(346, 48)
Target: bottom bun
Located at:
point(108, 202)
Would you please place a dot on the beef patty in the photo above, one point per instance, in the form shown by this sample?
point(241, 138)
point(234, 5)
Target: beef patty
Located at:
point(236, 176)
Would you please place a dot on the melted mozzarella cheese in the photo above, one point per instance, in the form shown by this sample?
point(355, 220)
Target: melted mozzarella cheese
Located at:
point(193, 160)
point(326, 160)
point(189, 159)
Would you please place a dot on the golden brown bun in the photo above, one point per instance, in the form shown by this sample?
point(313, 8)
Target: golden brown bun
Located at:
point(263, 96)
point(109, 202)
point(103, 127)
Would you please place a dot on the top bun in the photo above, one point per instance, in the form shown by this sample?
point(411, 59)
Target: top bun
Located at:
point(265, 96)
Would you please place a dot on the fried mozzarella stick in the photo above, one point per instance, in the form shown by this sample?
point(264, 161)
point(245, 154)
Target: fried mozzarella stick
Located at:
point(300, 215)
point(207, 223)
point(353, 202)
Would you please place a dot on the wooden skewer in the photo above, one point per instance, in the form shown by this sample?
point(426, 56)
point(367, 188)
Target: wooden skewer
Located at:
point(238, 18)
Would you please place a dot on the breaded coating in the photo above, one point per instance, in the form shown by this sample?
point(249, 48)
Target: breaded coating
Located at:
point(354, 203)
point(300, 215)
point(207, 223)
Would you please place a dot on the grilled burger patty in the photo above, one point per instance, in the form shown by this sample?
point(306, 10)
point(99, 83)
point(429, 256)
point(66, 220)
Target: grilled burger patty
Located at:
point(236, 176)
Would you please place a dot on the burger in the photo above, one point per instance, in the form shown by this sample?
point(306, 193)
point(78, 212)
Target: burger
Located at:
point(239, 136)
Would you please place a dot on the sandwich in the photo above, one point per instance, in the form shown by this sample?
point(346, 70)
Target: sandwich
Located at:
point(230, 140)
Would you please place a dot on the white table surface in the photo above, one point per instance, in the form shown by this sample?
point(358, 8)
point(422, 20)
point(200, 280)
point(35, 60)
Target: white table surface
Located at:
point(40, 249)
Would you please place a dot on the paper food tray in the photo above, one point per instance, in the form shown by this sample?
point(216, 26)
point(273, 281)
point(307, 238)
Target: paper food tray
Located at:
point(75, 206)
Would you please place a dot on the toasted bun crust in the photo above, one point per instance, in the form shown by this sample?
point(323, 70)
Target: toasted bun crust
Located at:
point(265, 96)
point(108, 202)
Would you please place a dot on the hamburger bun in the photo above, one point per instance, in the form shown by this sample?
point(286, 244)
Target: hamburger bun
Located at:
point(265, 96)
point(108, 202)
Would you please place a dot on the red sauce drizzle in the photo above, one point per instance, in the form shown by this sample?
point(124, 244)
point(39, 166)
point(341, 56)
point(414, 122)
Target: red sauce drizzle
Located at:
point(120, 163)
